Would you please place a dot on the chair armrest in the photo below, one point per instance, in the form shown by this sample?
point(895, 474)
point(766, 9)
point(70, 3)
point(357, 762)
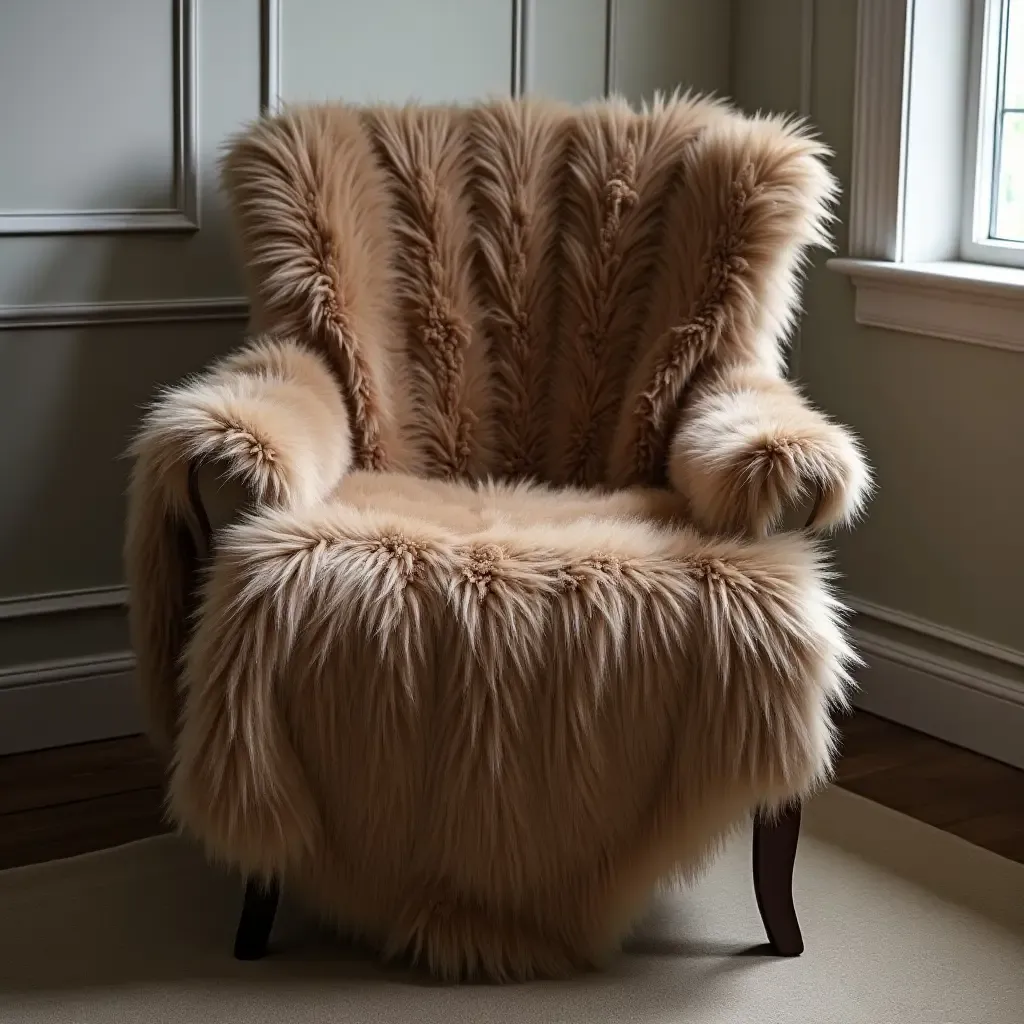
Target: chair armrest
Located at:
point(749, 447)
point(267, 425)
point(270, 417)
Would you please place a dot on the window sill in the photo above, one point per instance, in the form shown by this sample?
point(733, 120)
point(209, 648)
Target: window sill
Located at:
point(969, 302)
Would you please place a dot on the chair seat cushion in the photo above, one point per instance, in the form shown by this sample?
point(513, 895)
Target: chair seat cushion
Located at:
point(464, 510)
point(481, 722)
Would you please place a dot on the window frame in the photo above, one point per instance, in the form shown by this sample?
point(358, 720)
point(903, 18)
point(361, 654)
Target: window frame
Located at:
point(977, 244)
point(911, 125)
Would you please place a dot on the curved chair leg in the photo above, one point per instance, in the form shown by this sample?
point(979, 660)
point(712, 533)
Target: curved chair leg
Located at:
point(775, 841)
point(257, 918)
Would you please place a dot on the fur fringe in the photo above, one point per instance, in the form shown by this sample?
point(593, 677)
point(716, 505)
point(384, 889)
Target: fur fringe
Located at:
point(563, 710)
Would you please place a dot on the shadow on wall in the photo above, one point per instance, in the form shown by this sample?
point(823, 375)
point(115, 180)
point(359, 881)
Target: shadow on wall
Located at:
point(71, 398)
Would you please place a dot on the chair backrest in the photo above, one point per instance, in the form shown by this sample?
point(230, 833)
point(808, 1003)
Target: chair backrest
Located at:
point(523, 288)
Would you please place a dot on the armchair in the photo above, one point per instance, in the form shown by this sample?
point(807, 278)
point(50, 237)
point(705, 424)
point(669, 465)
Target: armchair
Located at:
point(493, 636)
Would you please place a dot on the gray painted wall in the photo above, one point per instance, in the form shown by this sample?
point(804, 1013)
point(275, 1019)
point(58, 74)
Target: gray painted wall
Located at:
point(116, 268)
point(934, 572)
point(942, 420)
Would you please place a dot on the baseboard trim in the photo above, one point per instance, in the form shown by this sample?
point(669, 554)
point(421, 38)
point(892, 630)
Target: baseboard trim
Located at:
point(72, 700)
point(977, 708)
point(76, 700)
point(61, 669)
point(948, 635)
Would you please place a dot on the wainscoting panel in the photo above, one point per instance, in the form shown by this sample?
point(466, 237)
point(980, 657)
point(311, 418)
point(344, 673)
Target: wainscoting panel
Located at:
point(118, 273)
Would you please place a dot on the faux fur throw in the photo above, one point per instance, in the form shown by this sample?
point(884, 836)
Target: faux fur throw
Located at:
point(469, 673)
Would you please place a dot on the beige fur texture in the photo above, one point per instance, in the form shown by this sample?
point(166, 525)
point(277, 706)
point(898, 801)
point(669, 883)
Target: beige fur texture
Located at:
point(467, 672)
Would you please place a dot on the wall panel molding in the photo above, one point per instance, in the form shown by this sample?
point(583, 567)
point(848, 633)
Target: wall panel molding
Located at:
point(806, 57)
point(611, 15)
point(60, 602)
point(270, 55)
point(186, 114)
point(522, 26)
point(45, 316)
point(184, 214)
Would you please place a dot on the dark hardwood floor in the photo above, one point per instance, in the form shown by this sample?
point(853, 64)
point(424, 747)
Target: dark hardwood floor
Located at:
point(961, 792)
point(56, 803)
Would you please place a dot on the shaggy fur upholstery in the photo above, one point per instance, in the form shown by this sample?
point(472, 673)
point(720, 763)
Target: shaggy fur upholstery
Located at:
point(478, 721)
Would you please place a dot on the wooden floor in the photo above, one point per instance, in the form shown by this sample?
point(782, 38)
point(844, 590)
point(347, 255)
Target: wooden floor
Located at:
point(971, 796)
point(56, 803)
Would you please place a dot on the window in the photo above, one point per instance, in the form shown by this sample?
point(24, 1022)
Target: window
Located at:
point(936, 226)
point(994, 213)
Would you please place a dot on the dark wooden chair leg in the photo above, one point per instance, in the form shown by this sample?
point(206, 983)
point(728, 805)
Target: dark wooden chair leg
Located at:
point(257, 918)
point(775, 841)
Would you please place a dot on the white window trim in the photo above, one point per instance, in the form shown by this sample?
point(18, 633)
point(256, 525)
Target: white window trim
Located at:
point(909, 109)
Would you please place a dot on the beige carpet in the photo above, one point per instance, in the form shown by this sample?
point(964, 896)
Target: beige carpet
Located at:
point(903, 923)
